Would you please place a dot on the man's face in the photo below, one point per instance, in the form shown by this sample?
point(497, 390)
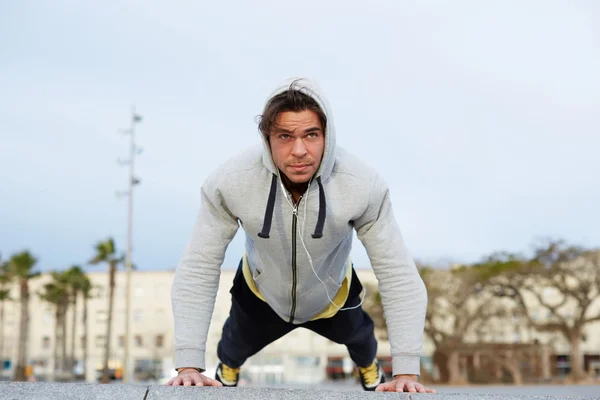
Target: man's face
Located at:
point(297, 143)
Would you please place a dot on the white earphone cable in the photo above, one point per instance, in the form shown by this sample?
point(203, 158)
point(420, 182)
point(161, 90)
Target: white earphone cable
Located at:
point(303, 229)
point(310, 261)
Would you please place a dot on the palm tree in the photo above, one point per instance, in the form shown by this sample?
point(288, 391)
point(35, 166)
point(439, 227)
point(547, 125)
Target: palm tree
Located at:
point(86, 289)
point(62, 280)
point(5, 280)
point(56, 293)
point(106, 253)
point(21, 266)
point(75, 278)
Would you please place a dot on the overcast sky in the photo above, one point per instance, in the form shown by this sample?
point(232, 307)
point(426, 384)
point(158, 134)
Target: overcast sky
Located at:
point(483, 116)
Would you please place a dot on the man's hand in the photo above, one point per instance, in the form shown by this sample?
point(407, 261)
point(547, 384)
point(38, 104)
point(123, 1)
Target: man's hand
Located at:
point(404, 383)
point(191, 377)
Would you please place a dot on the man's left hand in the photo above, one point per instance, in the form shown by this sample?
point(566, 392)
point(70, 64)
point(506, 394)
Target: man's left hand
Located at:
point(404, 383)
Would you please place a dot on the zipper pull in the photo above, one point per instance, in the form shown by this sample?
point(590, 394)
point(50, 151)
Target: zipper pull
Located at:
point(295, 209)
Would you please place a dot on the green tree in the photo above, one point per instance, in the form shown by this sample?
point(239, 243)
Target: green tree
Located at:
point(56, 293)
point(5, 283)
point(21, 267)
point(559, 280)
point(106, 253)
point(76, 281)
point(86, 292)
point(458, 307)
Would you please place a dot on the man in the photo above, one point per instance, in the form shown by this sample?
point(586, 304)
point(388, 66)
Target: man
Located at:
point(298, 197)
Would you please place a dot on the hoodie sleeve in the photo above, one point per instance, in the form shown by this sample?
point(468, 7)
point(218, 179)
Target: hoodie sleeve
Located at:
point(197, 276)
point(403, 292)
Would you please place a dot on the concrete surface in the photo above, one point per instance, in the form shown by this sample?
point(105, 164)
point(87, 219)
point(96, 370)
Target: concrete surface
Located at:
point(462, 396)
point(172, 393)
point(68, 391)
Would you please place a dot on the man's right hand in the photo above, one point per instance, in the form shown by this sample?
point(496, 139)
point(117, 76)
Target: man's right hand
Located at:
point(191, 377)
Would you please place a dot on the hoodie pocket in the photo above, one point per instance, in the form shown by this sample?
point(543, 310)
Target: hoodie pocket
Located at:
point(332, 285)
point(333, 281)
point(258, 275)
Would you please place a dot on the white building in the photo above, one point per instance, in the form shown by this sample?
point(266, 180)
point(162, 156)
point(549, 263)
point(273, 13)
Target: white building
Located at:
point(299, 357)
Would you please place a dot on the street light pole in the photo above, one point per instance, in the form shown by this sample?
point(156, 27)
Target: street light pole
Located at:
point(133, 151)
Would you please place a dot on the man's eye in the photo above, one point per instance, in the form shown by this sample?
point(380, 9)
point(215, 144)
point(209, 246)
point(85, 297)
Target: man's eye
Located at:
point(284, 137)
point(313, 135)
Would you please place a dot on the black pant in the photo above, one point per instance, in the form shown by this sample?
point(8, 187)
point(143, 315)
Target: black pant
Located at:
point(252, 324)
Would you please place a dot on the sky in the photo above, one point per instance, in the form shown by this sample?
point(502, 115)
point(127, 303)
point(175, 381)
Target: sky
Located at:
point(483, 117)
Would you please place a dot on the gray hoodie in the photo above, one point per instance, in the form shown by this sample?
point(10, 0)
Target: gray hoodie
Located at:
point(345, 194)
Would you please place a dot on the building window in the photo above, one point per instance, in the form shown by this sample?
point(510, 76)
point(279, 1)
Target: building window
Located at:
point(83, 342)
point(139, 292)
point(272, 360)
point(100, 341)
point(46, 342)
point(307, 361)
point(47, 318)
point(97, 292)
point(101, 316)
point(160, 339)
point(138, 341)
point(121, 341)
point(137, 315)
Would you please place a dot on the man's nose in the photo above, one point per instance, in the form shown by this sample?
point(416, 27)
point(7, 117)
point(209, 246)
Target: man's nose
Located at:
point(299, 148)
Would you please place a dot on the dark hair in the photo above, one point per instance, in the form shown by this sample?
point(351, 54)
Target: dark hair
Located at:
point(290, 100)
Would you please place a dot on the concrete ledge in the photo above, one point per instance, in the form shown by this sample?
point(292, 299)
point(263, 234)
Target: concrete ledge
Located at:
point(462, 396)
point(172, 393)
point(68, 391)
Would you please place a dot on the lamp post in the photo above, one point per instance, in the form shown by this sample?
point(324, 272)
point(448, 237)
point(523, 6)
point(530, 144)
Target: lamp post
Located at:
point(134, 150)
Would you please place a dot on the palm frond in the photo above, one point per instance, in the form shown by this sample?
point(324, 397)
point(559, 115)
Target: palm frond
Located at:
point(21, 265)
point(5, 295)
point(105, 252)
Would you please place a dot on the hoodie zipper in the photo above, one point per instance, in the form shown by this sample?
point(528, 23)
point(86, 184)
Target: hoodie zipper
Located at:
point(294, 269)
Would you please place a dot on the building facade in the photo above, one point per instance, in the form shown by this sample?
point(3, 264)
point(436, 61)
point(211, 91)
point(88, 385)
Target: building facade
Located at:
point(299, 357)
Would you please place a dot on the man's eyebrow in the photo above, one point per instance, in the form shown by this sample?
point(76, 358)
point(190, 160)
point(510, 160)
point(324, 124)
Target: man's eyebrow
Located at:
point(281, 130)
point(313, 129)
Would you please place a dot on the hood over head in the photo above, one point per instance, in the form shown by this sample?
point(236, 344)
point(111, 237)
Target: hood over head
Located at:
point(310, 88)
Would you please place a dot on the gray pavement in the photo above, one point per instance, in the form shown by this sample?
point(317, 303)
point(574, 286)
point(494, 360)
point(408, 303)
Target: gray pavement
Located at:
point(465, 396)
point(68, 391)
point(171, 393)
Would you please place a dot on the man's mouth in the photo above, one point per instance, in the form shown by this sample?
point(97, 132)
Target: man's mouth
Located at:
point(299, 167)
